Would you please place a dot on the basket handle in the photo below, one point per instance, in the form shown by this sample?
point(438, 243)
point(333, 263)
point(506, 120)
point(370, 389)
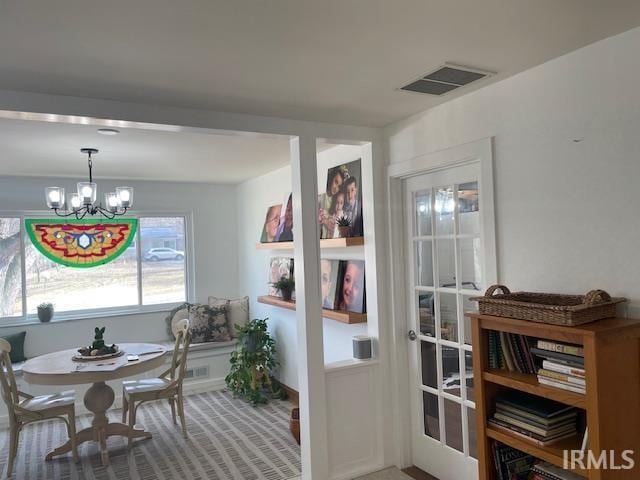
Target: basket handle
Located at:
point(595, 297)
point(490, 291)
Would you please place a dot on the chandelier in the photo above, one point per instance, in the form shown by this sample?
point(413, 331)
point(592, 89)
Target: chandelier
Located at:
point(83, 202)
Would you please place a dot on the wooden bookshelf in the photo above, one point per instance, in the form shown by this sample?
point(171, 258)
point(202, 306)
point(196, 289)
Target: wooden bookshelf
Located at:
point(610, 405)
point(325, 243)
point(529, 383)
point(338, 315)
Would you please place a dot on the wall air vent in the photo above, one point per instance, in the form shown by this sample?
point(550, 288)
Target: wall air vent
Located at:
point(445, 79)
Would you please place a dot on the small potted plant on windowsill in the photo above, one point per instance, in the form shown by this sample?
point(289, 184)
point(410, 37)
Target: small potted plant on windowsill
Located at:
point(344, 226)
point(45, 312)
point(285, 286)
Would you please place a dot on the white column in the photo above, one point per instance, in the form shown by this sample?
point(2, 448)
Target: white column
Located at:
point(311, 373)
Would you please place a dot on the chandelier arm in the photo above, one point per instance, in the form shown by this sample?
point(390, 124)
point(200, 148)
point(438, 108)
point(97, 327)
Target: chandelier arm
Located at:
point(105, 213)
point(57, 212)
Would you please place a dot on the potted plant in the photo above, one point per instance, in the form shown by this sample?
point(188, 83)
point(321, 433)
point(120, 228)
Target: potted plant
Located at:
point(252, 364)
point(286, 286)
point(45, 312)
point(344, 226)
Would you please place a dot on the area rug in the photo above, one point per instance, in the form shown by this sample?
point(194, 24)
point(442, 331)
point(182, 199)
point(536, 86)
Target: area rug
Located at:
point(228, 439)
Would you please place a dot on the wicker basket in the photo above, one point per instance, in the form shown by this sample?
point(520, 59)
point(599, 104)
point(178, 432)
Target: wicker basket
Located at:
point(556, 309)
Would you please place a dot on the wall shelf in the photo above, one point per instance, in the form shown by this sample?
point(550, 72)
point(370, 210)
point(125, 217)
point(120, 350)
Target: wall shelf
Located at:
point(325, 243)
point(339, 316)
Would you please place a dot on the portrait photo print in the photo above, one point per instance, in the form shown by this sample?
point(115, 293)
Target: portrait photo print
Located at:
point(342, 200)
point(351, 287)
point(271, 224)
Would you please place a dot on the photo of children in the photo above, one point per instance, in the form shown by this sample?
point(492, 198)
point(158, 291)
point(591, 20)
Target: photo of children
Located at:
point(351, 290)
point(329, 270)
point(342, 198)
point(280, 267)
point(271, 224)
point(285, 229)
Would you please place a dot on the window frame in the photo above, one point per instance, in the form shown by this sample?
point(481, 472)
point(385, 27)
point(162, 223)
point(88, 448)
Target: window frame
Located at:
point(189, 266)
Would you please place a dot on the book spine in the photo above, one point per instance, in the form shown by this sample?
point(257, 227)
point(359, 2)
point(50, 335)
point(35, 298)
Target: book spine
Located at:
point(531, 368)
point(563, 386)
point(506, 349)
point(516, 352)
point(562, 377)
point(560, 348)
point(557, 367)
point(493, 350)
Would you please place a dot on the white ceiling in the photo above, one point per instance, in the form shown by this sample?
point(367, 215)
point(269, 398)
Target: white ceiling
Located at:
point(53, 149)
point(337, 61)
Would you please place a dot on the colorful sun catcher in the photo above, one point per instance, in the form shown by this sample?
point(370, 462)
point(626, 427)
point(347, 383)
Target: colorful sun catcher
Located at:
point(81, 243)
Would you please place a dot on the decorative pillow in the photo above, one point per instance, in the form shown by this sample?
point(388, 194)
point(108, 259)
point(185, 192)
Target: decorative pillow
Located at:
point(16, 340)
point(170, 321)
point(208, 324)
point(237, 311)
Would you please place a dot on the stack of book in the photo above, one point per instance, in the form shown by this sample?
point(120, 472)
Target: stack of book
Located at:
point(538, 420)
point(511, 464)
point(546, 471)
point(562, 365)
point(510, 351)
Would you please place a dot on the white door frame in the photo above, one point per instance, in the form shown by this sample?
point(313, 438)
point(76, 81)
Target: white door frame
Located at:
point(480, 151)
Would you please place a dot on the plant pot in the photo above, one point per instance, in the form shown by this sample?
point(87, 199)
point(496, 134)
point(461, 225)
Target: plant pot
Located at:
point(45, 314)
point(286, 293)
point(294, 424)
point(251, 343)
point(344, 232)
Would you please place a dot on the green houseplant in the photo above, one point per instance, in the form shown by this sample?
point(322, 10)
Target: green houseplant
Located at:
point(286, 286)
point(45, 312)
point(252, 364)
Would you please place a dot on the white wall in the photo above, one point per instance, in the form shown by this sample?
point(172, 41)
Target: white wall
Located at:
point(567, 137)
point(214, 220)
point(253, 199)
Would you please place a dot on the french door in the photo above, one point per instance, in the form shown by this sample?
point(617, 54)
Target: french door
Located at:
point(445, 264)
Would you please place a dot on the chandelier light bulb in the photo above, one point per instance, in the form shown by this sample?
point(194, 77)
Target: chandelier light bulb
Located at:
point(55, 197)
point(75, 202)
point(125, 196)
point(87, 192)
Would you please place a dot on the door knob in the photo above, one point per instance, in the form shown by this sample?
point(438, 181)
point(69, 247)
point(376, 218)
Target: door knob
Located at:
point(412, 335)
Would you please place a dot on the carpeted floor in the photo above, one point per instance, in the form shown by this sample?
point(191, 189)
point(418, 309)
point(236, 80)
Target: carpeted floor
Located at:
point(228, 439)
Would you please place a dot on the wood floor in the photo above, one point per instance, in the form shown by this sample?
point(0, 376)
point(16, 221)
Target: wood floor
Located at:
point(415, 472)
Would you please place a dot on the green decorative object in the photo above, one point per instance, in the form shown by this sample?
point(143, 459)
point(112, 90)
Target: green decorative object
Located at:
point(98, 347)
point(286, 286)
point(16, 340)
point(252, 364)
point(81, 243)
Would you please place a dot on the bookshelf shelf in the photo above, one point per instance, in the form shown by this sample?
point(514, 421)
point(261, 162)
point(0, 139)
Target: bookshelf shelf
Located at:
point(325, 243)
point(610, 405)
point(529, 383)
point(339, 316)
point(550, 453)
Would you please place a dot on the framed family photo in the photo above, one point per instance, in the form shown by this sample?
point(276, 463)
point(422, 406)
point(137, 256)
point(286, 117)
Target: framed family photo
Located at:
point(340, 206)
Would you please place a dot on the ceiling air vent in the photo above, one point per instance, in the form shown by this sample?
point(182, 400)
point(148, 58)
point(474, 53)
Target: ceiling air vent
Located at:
point(444, 79)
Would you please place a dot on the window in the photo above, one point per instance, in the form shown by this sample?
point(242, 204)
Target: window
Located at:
point(148, 273)
point(10, 268)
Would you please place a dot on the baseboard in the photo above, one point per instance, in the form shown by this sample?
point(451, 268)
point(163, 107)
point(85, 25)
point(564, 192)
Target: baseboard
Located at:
point(189, 387)
point(357, 469)
point(293, 394)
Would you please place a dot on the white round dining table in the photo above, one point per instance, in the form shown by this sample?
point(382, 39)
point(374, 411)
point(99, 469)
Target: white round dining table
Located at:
point(58, 368)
